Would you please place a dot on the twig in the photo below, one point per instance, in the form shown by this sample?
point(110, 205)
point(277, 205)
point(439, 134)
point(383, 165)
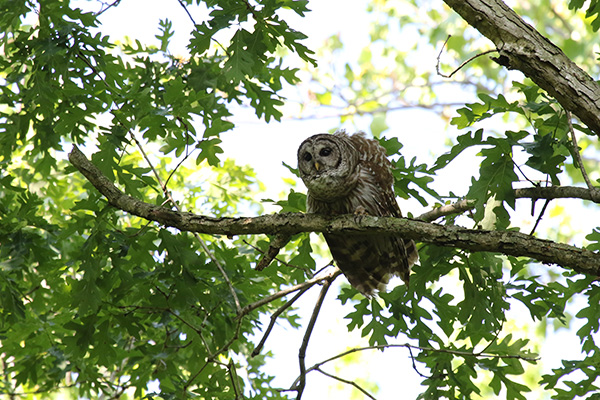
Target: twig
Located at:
point(307, 284)
point(539, 218)
point(414, 364)
point(106, 7)
point(287, 264)
point(352, 383)
point(586, 178)
point(411, 347)
point(306, 338)
point(187, 12)
point(460, 353)
point(212, 358)
point(233, 377)
point(274, 317)
point(188, 153)
point(437, 65)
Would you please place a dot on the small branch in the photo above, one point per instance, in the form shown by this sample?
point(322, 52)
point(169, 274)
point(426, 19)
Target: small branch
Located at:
point(301, 286)
point(459, 353)
point(409, 347)
point(311, 324)
point(347, 382)
point(187, 12)
point(559, 192)
point(274, 317)
point(274, 247)
point(584, 174)
point(437, 65)
point(457, 208)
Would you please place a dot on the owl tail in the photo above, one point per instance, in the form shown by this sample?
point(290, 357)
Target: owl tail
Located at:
point(408, 257)
point(360, 258)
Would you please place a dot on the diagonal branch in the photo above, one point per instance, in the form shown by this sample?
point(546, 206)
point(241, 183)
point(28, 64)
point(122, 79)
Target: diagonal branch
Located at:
point(506, 242)
point(301, 382)
point(522, 47)
point(347, 382)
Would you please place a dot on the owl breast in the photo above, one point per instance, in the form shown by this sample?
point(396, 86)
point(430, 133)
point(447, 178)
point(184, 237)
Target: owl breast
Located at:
point(346, 198)
point(330, 187)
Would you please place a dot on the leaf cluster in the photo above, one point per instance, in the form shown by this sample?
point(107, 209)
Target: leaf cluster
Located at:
point(98, 303)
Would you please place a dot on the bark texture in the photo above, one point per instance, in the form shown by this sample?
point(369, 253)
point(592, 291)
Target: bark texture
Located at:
point(505, 242)
point(522, 47)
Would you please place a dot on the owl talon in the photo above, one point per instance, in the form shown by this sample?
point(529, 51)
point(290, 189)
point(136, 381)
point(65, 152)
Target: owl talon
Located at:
point(359, 213)
point(360, 210)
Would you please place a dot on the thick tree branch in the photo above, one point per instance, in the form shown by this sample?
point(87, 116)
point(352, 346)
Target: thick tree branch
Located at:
point(506, 242)
point(522, 47)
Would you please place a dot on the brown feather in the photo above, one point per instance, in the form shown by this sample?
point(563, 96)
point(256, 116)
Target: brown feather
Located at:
point(359, 181)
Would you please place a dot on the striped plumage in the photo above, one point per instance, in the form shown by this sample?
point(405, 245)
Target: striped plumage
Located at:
point(350, 174)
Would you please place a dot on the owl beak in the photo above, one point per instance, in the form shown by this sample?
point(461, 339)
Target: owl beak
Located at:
point(317, 165)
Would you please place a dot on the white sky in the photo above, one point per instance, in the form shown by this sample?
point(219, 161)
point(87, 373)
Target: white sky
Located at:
point(265, 146)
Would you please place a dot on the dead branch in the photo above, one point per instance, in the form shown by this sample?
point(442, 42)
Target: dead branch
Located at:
point(461, 66)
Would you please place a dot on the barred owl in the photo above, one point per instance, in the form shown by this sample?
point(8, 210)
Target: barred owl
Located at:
point(348, 174)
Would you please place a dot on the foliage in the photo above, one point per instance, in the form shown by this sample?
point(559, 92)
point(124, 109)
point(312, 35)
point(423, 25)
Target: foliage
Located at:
point(96, 302)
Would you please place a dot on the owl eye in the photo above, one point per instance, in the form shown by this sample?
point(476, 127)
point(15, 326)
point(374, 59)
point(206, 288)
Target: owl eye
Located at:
point(307, 157)
point(325, 152)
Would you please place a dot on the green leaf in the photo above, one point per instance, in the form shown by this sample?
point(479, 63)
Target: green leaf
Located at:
point(209, 150)
point(240, 61)
point(496, 175)
point(464, 141)
point(167, 33)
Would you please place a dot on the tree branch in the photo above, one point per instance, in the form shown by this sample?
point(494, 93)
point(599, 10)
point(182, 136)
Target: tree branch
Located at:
point(506, 242)
point(347, 382)
point(301, 383)
point(301, 286)
point(273, 320)
point(558, 192)
point(522, 47)
point(449, 209)
point(410, 347)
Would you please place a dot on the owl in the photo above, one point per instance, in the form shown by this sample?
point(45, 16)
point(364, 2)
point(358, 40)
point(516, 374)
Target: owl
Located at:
point(350, 174)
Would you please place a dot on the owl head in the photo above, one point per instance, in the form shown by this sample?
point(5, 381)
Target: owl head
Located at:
point(327, 165)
